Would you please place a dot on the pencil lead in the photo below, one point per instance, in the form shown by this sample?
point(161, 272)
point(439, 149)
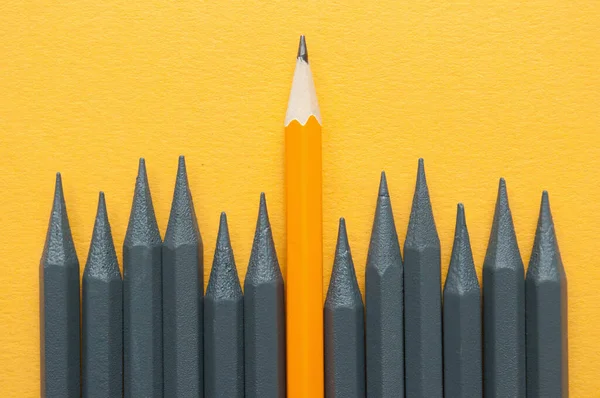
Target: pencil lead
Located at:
point(302, 51)
point(263, 265)
point(383, 187)
point(545, 259)
point(183, 225)
point(142, 228)
point(421, 226)
point(503, 248)
point(343, 286)
point(102, 257)
point(59, 247)
point(461, 272)
point(223, 282)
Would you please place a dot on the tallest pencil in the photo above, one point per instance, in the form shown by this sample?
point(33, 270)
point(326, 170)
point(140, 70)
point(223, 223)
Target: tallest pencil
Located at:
point(304, 299)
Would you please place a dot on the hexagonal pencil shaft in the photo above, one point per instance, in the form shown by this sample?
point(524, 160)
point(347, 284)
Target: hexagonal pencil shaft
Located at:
point(264, 315)
point(422, 298)
point(344, 327)
point(384, 304)
point(142, 297)
point(59, 306)
point(503, 307)
point(546, 313)
point(183, 287)
point(462, 319)
point(224, 323)
point(102, 312)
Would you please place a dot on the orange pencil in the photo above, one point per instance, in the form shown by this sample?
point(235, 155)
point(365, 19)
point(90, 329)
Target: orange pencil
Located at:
point(304, 284)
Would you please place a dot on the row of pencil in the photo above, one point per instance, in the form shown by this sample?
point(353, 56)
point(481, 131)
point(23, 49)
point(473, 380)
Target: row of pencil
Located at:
point(153, 333)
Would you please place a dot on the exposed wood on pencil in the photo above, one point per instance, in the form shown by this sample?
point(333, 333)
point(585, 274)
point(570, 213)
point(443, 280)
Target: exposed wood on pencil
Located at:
point(183, 287)
point(264, 315)
point(224, 323)
point(344, 327)
point(142, 297)
point(503, 307)
point(384, 304)
point(462, 319)
point(546, 313)
point(422, 298)
point(59, 306)
point(304, 210)
point(102, 311)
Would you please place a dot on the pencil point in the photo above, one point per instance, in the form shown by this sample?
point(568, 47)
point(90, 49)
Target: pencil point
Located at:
point(343, 287)
point(421, 226)
point(102, 258)
point(142, 228)
point(182, 226)
point(461, 272)
point(545, 257)
point(302, 51)
point(383, 187)
point(223, 282)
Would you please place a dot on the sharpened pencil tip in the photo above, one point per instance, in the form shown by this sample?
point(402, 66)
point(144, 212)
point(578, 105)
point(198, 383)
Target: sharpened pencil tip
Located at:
point(383, 187)
point(460, 214)
point(142, 167)
point(302, 51)
point(545, 218)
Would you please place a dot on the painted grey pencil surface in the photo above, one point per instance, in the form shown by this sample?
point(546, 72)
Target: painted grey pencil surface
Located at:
point(183, 288)
point(503, 307)
point(142, 297)
point(384, 304)
point(102, 313)
point(462, 319)
point(546, 313)
point(264, 315)
point(224, 323)
point(344, 327)
point(422, 298)
point(59, 306)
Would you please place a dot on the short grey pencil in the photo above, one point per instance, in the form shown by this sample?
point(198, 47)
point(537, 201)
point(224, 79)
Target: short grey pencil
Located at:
point(264, 315)
point(462, 318)
point(59, 306)
point(546, 313)
point(102, 314)
point(142, 297)
point(224, 323)
point(422, 298)
point(183, 288)
point(384, 303)
point(344, 327)
point(503, 307)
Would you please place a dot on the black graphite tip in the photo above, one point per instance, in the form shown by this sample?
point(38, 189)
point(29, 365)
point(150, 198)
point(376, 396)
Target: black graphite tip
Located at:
point(223, 282)
point(102, 258)
point(384, 299)
point(461, 278)
point(343, 287)
point(59, 248)
point(142, 228)
point(421, 226)
point(546, 312)
point(302, 51)
point(503, 249)
point(344, 327)
point(462, 318)
point(263, 265)
point(183, 225)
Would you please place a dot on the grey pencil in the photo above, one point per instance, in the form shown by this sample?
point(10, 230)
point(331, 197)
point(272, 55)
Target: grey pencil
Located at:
point(59, 306)
point(344, 327)
point(503, 307)
point(102, 313)
point(224, 323)
point(264, 315)
point(546, 313)
point(142, 297)
point(462, 318)
point(422, 298)
point(384, 304)
point(183, 287)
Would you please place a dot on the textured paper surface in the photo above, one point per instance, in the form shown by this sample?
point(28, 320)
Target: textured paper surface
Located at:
point(479, 89)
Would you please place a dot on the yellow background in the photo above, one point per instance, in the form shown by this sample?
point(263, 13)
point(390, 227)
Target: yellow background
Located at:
point(480, 89)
